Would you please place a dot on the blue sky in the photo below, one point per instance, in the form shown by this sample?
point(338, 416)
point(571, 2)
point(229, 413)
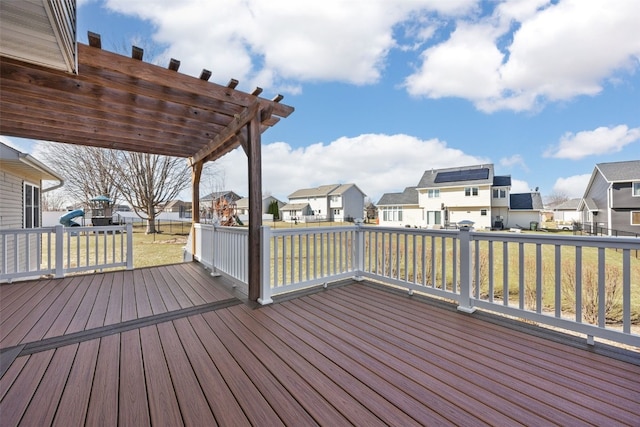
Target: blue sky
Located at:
point(386, 89)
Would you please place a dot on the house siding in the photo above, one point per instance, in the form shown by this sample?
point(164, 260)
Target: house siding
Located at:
point(622, 196)
point(352, 204)
point(11, 187)
point(598, 193)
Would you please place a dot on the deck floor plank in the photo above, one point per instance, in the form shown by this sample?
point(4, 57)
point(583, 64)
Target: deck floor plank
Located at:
point(103, 404)
point(99, 311)
point(153, 292)
point(176, 290)
point(254, 404)
point(34, 321)
point(193, 404)
point(200, 279)
point(13, 295)
point(163, 404)
point(133, 409)
point(129, 308)
point(490, 380)
point(343, 378)
point(284, 404)
point(183, 282)
point(44, 405)
point(18, 396)
point(169, 300)
point(221, 400)
point(86, 306)
point(60, 325)
point(114, 308)
point(349, 407)
point(142, 298)
point(72, 410)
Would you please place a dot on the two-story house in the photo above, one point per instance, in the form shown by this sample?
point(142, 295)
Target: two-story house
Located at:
point(611, 201)
point(445, 197)
point(334, 202)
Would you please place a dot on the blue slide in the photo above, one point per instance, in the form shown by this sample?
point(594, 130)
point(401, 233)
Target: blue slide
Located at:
point(66, 218)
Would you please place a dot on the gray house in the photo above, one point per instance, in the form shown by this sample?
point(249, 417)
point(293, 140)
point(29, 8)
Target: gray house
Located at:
point(611, 202)
point(334, 202)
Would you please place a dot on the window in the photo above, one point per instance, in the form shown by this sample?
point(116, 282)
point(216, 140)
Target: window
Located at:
point(335, 199)
point(636, 189)
point(635, 218)
point(483, 212)
point(31, 206)
point(392, 213)
point(499, 193)
point(433, 193)
point(471, 191)
point(434, 217)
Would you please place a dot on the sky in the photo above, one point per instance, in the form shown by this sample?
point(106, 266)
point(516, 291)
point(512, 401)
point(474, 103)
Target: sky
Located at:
point(384, 90)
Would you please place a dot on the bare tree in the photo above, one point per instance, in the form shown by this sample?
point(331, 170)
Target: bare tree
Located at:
point(148, 181)
point(53, 200)
point(86, 171)
point(556, 198)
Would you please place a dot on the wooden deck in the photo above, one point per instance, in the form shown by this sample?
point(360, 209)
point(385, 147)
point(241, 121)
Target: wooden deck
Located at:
point(172, 346)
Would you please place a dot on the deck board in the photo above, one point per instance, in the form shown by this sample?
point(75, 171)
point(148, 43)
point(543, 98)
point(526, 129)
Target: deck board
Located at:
point(355, 354)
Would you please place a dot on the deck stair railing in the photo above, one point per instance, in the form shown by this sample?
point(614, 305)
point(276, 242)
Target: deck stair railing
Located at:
point(56, 251)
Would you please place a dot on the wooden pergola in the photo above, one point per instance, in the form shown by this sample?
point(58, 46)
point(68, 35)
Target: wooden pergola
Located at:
point(123, 103)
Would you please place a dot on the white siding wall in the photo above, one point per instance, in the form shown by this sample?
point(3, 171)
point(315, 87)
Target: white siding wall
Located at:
point(352, 203)
point(411, 216)
point(11, 196)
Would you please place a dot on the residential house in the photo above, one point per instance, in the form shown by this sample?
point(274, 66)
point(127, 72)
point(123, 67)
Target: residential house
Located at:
point(21, 188)
point(524, 210)
point(334, 202)
point(611, 201)
point(566, 213)
point(400, 209)
point(242, 207)
point(183, 209)
point(445, 197)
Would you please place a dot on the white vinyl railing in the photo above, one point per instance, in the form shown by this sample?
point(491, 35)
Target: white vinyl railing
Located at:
point(56, 251)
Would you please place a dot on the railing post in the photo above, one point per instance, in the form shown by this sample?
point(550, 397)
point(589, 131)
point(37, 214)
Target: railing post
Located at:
point(464, 303)
point(59, 269)
point(359, 251)
point(215, 245)
point(265, 270)
point(129, 230)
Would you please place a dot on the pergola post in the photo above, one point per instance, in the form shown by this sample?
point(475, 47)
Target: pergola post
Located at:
point(255, 206)
point(196, 173)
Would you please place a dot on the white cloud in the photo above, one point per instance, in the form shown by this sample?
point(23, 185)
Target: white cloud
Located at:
point(265, 42)
point(518, 186)
point(603, 140)
point(573, 186)
point(515, 160)
point(377, 164)
point(557, 52)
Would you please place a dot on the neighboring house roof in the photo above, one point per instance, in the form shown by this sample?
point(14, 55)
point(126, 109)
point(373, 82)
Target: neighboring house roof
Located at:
point(569, 205)
point(525, 201)
point(408, 197)
point(620, 171)
point(458, 176)
point(322, 191)
point(502, 181)
point(590, 204)
point(227, 194)
point(294, 206)
point(24, 164)
point(343, 189)
point(244, 202)
point(176, 202)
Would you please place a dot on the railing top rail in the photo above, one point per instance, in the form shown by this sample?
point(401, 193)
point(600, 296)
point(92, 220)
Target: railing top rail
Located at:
point(589, 241)
point(408, 230)
point(312, 230)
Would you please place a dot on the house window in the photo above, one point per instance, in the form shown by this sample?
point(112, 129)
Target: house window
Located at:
point(635, 218)
point(434, 217)
point(335, 199)
point(31, 206)
point(483, 212)
point(499, 193)
point(392, 213)
point(433, 193)
point(636, 189)
point(471, 191)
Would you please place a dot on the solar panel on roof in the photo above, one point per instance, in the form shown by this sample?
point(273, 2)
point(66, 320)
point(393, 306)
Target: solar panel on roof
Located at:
point(462, 175)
